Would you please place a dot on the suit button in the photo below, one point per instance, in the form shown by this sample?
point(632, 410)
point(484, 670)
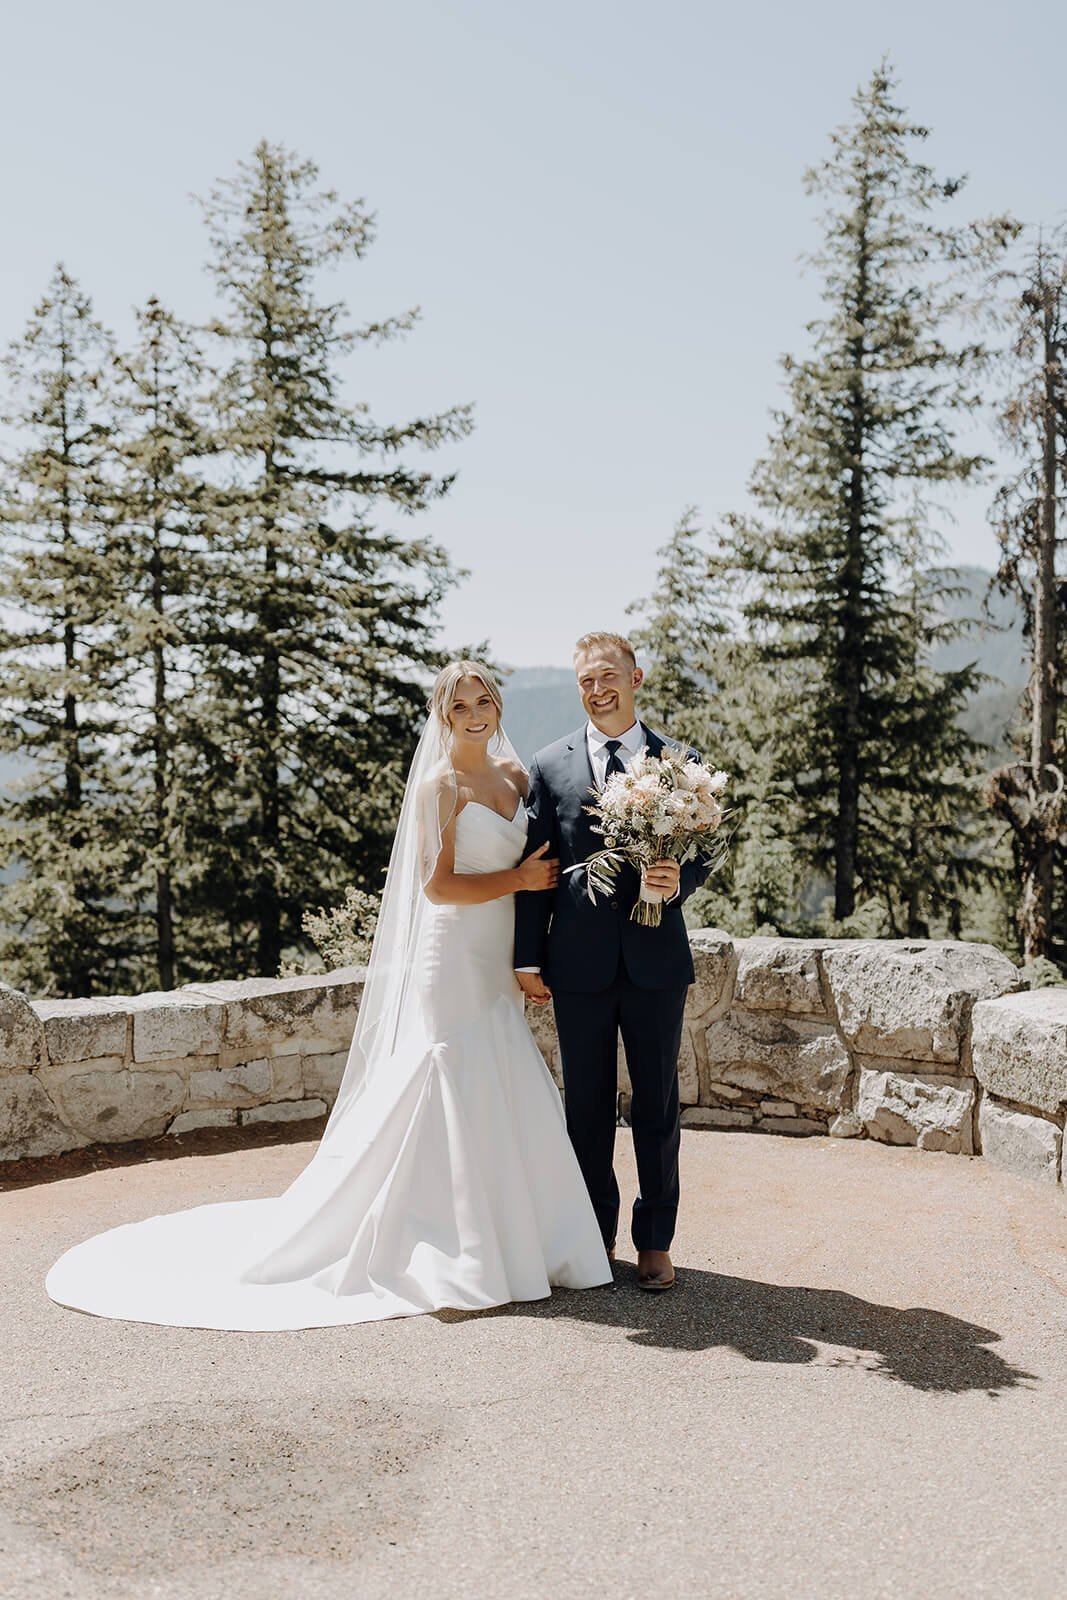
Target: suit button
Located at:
point(614, 905)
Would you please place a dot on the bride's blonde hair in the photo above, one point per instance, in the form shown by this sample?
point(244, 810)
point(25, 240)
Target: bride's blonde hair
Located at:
point(445, 687)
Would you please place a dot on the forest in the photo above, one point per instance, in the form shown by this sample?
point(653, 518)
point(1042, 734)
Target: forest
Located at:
point(215, 648)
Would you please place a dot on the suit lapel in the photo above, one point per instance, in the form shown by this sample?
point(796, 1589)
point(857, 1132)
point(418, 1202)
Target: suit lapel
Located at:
point(580, 767)
point(653, 742)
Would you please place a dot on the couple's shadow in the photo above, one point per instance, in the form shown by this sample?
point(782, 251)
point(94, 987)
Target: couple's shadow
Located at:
point(771, 1322)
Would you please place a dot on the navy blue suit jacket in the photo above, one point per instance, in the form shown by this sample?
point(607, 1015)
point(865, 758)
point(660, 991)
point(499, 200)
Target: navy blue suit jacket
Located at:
point(576, 942)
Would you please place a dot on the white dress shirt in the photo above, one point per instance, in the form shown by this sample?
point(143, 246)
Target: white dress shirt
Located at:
point(631, 743)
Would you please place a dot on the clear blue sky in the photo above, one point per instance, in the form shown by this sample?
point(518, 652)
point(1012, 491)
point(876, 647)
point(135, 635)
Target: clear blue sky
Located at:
point(597, 205)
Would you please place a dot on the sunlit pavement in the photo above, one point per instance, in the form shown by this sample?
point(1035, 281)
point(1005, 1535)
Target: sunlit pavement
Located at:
point(856, 1389)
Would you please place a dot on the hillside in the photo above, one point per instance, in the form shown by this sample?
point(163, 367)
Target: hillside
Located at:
point(541, 703)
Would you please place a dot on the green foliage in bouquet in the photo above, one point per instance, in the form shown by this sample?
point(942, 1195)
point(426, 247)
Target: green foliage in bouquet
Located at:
point(661, 808)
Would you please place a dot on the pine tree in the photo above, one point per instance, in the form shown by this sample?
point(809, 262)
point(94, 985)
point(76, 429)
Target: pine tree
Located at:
point(686, 616)
point(1029, 794)
point(707, 686)
point(68, 928)
point(866, 435)
point(323, 617)
point(158, 559)
point(921, 825)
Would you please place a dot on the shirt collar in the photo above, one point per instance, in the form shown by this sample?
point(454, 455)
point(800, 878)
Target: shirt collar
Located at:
point(631, 740)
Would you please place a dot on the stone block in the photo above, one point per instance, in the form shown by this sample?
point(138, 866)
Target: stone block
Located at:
point(22, 1045)
point(286, 1079)
point(777, 1108)
point(725, 1091)
point(174, 1025)
point(780, 975)
point(714, 964)
point(912, 998)
point(1019, 1047)
point(541, 1022)
point(900, 1106)
point(846, 1125)
point(797, 1126)
point(1018, 1142)
point(242, 1085)
point(716, 1117)
point(189, 1121)
point(116, 1105)
point(780, 1057)
point(30, 1124)
point(285, 1111)
point(84, 1030)
point(688, 1073)
point(306, 1016)
point(322, 1074)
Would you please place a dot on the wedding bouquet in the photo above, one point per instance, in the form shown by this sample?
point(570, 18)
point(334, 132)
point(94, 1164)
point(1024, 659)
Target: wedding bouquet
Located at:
point(661, 807)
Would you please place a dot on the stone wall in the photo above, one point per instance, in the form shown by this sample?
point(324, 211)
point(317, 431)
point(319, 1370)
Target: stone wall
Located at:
point(927, 1043)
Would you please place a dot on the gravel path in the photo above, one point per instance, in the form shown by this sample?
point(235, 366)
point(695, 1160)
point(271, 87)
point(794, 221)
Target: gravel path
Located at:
point(859, 1388)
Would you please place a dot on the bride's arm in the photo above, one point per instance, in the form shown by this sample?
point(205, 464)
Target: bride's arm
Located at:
point(447, 887)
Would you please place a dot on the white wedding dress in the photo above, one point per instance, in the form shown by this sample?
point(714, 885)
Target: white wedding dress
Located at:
point(445, 1180)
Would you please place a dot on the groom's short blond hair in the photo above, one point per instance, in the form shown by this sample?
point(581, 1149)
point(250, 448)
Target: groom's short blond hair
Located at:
point(613, 641)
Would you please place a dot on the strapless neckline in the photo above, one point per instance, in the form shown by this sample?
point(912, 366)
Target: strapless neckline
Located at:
point(509, 822)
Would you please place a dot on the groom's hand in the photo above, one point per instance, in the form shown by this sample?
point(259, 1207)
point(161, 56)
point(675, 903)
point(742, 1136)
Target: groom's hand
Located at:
point(534, 987)
point(665, 876)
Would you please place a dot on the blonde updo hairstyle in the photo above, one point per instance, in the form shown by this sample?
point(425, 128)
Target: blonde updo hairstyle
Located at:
point(444, 691)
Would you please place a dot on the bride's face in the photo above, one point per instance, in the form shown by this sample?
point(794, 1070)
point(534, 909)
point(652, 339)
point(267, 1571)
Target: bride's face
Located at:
point(472, 716)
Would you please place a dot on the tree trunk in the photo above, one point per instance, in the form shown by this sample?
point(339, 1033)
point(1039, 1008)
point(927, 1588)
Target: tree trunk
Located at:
point(164, 886)
point(1036, 903)
point(268, 900)
point(851, 642)
point(160, 734)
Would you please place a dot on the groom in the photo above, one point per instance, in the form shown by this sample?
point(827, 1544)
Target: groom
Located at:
point(605, 974)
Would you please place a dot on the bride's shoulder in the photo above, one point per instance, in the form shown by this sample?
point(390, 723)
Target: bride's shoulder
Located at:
point(438, 792)
point(514, 769)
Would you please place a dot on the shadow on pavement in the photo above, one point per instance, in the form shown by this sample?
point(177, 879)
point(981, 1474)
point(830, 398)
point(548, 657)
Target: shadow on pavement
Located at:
point(33, 1170)
point(922, 1348)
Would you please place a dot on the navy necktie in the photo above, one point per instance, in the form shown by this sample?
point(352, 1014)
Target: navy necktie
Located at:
point(613, 746)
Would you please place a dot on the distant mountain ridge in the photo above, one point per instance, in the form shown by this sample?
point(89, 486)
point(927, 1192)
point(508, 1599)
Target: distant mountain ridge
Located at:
point(541, 703)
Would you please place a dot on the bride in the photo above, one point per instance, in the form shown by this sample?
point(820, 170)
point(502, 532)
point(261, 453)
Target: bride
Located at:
point(445, 1177)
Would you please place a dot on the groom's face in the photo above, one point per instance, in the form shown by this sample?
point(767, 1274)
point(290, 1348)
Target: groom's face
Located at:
point(607, 683)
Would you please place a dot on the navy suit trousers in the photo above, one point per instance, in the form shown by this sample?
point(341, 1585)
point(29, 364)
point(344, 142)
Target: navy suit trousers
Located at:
point(650, 1022)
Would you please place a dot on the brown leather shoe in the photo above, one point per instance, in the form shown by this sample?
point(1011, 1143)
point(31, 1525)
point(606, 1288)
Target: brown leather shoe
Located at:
point(654, 1270)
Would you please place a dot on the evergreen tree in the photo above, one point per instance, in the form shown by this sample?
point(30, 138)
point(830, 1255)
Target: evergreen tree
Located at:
point(686, 616)
point(921, 826)
point(158, 560)
point(706, 685)
point(866, 434)
point(322, 617)
point(1029, 793)
point(67, 927)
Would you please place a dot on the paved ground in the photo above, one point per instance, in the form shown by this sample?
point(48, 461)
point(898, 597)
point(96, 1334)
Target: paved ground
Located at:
point(859, 1388)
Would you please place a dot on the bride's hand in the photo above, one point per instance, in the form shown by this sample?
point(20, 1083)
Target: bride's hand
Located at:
point(537, 873)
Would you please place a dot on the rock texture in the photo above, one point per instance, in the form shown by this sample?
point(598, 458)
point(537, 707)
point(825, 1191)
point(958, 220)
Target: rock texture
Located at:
point(858, 1038)
point(30, 1123)
point(777, 1055)
point(931, 1110)
point(22, 1046)
point(1031, 1146)
point(1019, 1048)
point(912, 999)
point(780, 975)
